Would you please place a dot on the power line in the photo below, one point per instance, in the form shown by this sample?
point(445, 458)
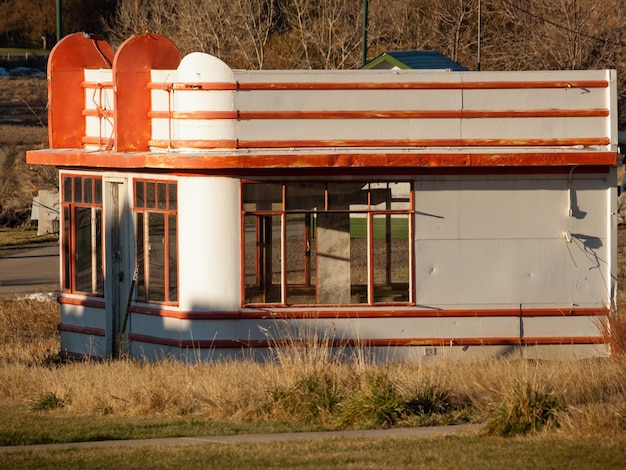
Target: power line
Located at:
point(560, 26)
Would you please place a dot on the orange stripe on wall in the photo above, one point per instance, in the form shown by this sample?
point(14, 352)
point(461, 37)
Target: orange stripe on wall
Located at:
point(382, 342)
point(238, 164)
point(424, 114)
point(367, 312)
point(569, 142)
point(193, 115)
point(83, 330)
point(194, 86)
point(456, 85)
point(194, 144)
point(82, 302)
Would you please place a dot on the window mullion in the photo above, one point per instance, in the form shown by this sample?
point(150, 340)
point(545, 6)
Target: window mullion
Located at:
point(94, 241)
point(283, 249)
point(370, 258)
point(146, 253)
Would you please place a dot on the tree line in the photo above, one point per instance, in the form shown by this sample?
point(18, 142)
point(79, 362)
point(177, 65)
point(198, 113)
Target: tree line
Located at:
point(327, 34)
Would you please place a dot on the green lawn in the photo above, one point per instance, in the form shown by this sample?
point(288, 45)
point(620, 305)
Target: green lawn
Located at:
point(545, 452)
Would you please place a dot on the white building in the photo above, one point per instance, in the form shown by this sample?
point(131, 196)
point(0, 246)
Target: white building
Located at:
point(419, 214)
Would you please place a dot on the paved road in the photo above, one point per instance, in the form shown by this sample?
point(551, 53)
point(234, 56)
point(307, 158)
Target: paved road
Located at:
point(394, 433)
point(29, 270)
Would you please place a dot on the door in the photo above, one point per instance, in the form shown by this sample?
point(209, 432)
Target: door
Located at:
point(119, 273)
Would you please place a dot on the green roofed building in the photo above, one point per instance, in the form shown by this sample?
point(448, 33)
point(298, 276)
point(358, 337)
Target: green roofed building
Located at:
point(427, 60)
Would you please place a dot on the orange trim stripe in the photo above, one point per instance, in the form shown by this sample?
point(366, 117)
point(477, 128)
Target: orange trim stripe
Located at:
point(83, 330)
point(193, 114)
point(367, 312)
point(180, 86)
point(422, 85)
point(81, 302)
point(319, 162)
point(97, 85)
point(424, 114)
point(194, 144)
point(381, 342)
point(99, 112)
point(570, 142)
point(456, 85)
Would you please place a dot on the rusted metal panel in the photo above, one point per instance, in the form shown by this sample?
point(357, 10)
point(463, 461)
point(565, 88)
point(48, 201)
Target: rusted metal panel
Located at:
point(132, 66)
point(66, 65)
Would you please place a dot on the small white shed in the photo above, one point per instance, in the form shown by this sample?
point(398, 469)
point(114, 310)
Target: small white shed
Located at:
point(210, 212)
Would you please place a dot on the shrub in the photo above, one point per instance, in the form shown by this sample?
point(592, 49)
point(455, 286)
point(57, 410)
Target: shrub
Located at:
point(50, 401)
point(525, 410)
point(378, 403)
point(312, 399)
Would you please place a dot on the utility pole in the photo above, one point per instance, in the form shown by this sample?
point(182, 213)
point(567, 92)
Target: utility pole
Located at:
point(364, 34)
point(59, 21)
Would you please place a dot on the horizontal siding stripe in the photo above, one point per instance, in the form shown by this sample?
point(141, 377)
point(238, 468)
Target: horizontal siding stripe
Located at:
point(354, 162)
point(193, 86)
point(194, 144)
point(80, 356)
point(82, 302)
point(99, 113)
point(368, 313)
point(568, 142)
point(97, 85)
point(208, 115)
point(453, 85)
point(381, 342)
point(425, 114)
point(83, 330)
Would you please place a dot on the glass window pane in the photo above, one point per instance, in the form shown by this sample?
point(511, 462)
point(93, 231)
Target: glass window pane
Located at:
point(251, 250)
point(140, 256)
point(82, 249)
point(99, 274)
point(172, 203)
point(155, 277)
point(173, 259)
point(66, 248)
point(262, 259)
point(78, 189)
point(139, 194)
point(67, 189)
point(400, 196)
point(262, 197)
point(333, 258)
point(150, 195)
point(87, 190)
point(358, 259)
point(97, 191)
point(347, 196)
point(301, 259)
point(391, 258)
point(305, 196)
point(161, 196)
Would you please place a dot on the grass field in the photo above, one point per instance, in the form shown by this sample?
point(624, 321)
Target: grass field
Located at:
point(554, 414)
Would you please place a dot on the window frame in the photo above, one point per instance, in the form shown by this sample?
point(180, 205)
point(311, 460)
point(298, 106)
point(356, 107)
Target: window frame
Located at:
point(71, 204)
point(142, 212)
point(280, 212)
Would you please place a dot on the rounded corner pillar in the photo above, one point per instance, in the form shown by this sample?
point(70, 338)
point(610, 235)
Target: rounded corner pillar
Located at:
point(132, 66)
point(66, 72)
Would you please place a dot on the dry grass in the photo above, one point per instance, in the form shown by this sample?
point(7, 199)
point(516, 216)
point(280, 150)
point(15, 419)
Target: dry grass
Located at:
point(311, 386)
point(301, 388)
point(302, 385)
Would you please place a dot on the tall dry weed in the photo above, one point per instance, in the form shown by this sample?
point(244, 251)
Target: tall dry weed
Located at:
point(301, 384)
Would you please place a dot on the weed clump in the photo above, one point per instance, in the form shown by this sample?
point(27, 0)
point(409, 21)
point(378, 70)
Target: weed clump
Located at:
point(50, 401)
point(526, 410)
